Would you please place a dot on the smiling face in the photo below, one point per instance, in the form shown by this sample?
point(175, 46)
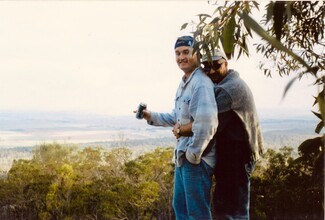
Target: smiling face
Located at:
point(186, 60)
point(216, 70)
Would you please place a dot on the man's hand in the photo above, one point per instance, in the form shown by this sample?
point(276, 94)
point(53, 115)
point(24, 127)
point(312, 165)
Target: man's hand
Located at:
point(177, 130)
point(182, 130)
point(146, 114)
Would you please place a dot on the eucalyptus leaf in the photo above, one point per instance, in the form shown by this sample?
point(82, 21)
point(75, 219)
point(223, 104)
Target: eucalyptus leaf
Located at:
point(321, 105)
point(319, 127)
point(269, 14)
point(273, 41)
point(184, 26)
point(256, 4)
point(204, 15)
point(317, 115)
point(289, 84)
point(228, 39)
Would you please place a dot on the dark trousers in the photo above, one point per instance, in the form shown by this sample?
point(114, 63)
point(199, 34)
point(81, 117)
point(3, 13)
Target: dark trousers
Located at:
point(232, 189)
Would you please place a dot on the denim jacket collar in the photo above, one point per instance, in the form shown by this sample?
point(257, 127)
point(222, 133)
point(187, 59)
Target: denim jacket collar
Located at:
point(185, 80)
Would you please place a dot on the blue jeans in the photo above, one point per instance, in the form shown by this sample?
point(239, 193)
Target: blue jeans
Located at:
point(232, 191)
point(192, 188)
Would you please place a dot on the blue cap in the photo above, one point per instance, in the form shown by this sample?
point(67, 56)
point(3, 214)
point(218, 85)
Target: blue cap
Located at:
point(184, 41)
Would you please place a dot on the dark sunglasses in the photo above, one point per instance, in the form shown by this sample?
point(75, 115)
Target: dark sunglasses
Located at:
point(207, 66)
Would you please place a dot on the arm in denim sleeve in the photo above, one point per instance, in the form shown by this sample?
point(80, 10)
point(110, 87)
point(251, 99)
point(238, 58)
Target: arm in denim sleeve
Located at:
point(163, 119)
point(204, 111)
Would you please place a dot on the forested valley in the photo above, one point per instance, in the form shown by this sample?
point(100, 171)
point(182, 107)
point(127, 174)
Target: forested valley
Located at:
point(66, 182)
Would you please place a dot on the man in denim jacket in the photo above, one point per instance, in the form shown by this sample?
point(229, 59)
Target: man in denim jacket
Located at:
point(194, 159)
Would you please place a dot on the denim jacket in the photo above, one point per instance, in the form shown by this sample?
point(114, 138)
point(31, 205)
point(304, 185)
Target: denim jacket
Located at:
point(194, 102)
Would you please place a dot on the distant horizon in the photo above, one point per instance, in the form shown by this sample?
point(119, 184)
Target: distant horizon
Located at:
point(28, 128)
point(268, 112)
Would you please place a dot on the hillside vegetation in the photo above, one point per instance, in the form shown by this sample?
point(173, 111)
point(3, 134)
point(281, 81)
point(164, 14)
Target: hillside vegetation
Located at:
point(62, 182)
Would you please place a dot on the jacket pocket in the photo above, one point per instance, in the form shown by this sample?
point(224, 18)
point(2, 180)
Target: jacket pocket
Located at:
point(185, 110)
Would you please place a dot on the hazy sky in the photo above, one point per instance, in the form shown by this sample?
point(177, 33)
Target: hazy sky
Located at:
point(107, 56)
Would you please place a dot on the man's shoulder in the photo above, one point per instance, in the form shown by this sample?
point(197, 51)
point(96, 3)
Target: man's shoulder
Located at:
point(232, 80)
point(198, 72)
point(201, 77)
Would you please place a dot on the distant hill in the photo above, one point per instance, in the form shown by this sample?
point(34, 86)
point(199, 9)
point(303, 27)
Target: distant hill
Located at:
point(19, 130)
